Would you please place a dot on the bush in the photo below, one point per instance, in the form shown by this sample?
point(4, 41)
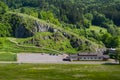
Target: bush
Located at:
point(5, 30)
point(3, 7)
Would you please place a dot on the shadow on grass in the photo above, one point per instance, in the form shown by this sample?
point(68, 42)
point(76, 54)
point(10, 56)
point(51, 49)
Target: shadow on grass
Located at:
point(110, 64)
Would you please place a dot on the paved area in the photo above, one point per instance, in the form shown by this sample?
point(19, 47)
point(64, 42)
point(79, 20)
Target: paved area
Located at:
point(39, 58)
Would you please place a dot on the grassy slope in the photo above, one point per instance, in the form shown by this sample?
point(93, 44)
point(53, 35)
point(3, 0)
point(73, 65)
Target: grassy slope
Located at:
point(10, 48)
point(43, 40)
point(96, 32)
point(59, 72)
point(45, 49)
point(28, 18)
point(97, 29)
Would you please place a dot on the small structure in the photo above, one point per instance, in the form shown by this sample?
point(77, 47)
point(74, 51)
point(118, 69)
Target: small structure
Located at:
point(112, 51)
point(87, 57)
point(90, 57)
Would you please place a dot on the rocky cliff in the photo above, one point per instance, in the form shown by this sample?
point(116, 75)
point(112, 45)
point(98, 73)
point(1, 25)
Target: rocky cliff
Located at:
point(47, 35)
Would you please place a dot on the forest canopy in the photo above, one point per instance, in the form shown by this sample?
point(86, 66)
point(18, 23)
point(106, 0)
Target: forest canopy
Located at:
point(77, 15)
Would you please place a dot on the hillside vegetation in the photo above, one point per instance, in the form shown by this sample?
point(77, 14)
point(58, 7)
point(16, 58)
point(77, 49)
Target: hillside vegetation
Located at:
point(59, 26)
point(48, 35)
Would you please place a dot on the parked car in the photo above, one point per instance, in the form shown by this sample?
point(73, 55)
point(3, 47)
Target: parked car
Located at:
point(67, 59)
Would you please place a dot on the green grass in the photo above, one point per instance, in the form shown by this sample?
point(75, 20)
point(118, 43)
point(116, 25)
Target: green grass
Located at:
point(8, 49)
point(7, 46)
point(59, 72)
point(97, 29)
point(4, 56)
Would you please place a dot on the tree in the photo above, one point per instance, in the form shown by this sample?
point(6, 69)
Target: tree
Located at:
point(86, 23)
point(5, 30)
point(48, 16)
point(117, 56)
point(98, 19)
point(29, 11)
point(89, 16)
point(114, 42)
point(3, 7)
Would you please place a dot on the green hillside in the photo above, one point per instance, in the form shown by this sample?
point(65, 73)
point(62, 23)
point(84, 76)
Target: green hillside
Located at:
point(54, 37)
point(59, 26)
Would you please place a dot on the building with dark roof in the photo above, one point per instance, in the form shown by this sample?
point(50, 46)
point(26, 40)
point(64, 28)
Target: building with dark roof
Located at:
point(87, 57)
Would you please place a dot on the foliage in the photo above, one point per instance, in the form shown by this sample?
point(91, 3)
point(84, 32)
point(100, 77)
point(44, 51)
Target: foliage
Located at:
point(29, 11)
point(87, 23)
point(49, 17)
point(110, 41)
point(5, 30)
point(3, 7)
point(89, 16)
point(118, 55)
point(98, 19)
point(70, 16)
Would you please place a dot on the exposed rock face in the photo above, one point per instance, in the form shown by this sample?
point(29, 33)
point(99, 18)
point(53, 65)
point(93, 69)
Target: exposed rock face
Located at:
point(22, 32)
point(27, 28)
point(38, 27)
point(66, 35)
point(75, 43)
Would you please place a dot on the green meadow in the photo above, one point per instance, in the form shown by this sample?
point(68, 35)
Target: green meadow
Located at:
point(59, 72)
